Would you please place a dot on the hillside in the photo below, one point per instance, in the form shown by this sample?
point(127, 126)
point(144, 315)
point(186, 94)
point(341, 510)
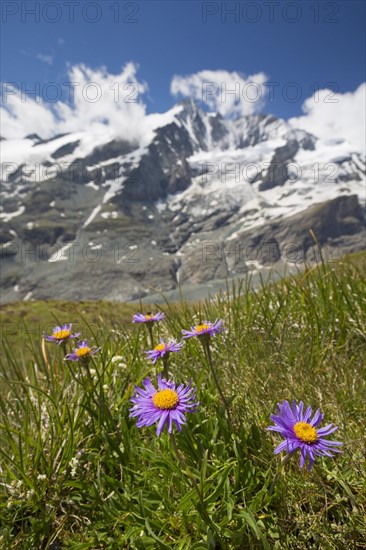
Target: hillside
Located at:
point(77, 473)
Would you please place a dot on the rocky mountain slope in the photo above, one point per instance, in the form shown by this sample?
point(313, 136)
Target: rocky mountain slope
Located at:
point(89, 217)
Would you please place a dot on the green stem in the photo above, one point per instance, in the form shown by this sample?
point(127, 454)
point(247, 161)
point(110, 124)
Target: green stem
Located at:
point(180, 458)
point(279, 468)
point(165, 363)
point(64, 347)
point(206, 345)
point(95, 391)
point(149, 328)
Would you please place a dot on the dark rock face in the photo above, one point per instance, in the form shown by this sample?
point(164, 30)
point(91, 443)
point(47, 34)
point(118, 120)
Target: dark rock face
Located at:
point(35, 138)
point(307, 142)
point(46, 234)
point(159, 172)
point(340, 217)
point(218, 129)
point(65, 150)
point(17, 175)
point(111, 150)
point(258, 128)
point(124, 220)
point(192, 118)
point(95, 167)
point(277, 173)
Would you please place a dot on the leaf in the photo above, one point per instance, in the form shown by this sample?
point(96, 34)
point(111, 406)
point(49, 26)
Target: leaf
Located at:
point(251, 522)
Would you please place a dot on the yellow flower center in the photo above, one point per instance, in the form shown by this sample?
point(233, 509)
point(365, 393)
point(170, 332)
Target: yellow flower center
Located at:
point(160, 347)
point(166, 399)
point(61, 334)
point(201, 328)
point(148, 317)
point(305, 432)
point(81, 352)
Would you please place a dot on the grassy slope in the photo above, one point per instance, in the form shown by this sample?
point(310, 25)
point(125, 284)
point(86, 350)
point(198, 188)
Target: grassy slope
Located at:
point(303, 338)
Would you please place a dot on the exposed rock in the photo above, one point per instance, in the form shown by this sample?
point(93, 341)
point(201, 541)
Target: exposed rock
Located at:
point(277, 173)
point(126, 222)
point(328, 221)
point(65, 150)
point(34, 137)
point(159, 172)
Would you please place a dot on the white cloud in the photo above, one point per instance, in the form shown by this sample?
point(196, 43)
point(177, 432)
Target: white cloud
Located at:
point(229, 93)
point(45, 58)
point(102, 99)
point(96, 101)
point(104, 104)
point(329, 115)
point(19, 118)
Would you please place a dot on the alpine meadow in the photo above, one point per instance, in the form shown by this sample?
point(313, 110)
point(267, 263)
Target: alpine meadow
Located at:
point(126, 442)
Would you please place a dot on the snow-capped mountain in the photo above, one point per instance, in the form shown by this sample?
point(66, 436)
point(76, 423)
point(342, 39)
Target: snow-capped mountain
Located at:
point(88, 216)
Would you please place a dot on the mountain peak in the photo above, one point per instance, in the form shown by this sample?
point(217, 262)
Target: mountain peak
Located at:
point(198, 179)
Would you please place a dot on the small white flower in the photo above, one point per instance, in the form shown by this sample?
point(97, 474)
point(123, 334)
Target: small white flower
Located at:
point(74, 463)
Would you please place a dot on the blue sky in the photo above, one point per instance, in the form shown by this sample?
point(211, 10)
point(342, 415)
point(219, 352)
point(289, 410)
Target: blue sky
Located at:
point(324, 44)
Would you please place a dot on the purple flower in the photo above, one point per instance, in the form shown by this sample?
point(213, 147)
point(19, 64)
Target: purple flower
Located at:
point(61, 334)
point(300, 432)
point(148, 318)
point(83, 351)
point(165, 405)
point(211, 329)
point(164, 348)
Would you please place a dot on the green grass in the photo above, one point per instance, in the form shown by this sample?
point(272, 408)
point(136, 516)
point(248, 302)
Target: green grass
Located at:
point(75, 470)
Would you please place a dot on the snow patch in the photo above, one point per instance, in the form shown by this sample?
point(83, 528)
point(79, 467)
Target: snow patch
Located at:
point(160, 206)
point(60, 255)
point(107, 215)
point(92, 215)
point(94, 246)
point(7, 216)
point(92, 185)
